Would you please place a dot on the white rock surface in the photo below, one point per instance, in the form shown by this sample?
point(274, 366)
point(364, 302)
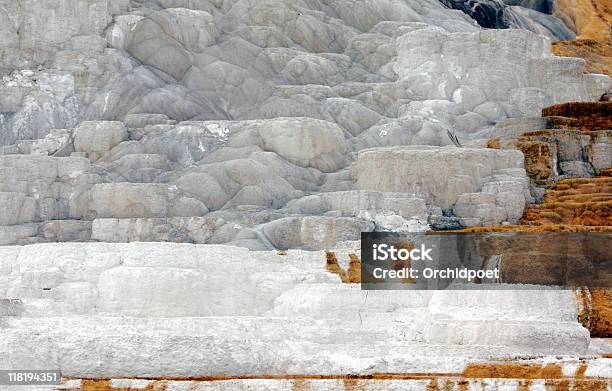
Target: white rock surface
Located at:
point(256, 110)
point(482, 186)
point(97, 138)
point(164, 310)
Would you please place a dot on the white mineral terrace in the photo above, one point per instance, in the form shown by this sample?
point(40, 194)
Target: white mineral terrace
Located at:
point(182, 311)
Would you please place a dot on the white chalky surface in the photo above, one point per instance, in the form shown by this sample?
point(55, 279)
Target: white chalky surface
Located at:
point(164, 310)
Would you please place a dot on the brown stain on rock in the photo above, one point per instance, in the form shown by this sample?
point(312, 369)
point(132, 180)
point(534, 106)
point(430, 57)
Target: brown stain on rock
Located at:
point(105, 385)
point(524, 385)
point(581, 370)
point(494, 143)
point(596, 53)
point(96, 385)
point(525, 373)
point(351, 384)
point(582, 201)
point(535, 228)
point(589, 19)
point(587, 385)
point(513, 371)
point(601, 316)
point(332, 266)
point(539, 158)
point(300, 385)
point(354, 271)
point(432, 385)
point(350, 276)
point(586, 115)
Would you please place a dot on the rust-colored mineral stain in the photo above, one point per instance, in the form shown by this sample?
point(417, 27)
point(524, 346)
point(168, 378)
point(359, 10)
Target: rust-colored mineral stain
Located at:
point(494, 143)
point(524, 385)
point(105, 385)
point(601, 316)
point(332, 266)
point(513, 371)
point(354, 271)
point(558, 385)
point(463, 385)
point(96, 385)
point(596, 311)
point(432, 385)
point(579, 110)
point(299, 385)
point(586, 385)
point(524, 373)
point(351, 384)
point(574, 202)
point(350, 276)
point(581, 370)
point(536, 228)
point(597, 54)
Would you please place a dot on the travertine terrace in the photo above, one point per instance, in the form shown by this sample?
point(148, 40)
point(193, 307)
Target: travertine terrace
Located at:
point(183, 184)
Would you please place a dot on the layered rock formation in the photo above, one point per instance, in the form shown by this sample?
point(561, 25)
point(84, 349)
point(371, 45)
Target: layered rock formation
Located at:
point(195, 311)
point(569, 163)
point(529, 15)
point(235, 138)
point(277, 103)
point(274, 125)
point(598, 54)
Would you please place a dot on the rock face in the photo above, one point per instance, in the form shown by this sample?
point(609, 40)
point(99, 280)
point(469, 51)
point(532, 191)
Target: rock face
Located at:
point(574, 202)
point(236, 117)
point(574, 142)
point(596, 53)
point(146, 310)
point(589, 19)
point(561, 161)
point(514, 14)
point(127, 200)
point(97, 138)
point(253, 135)
point(481, 186)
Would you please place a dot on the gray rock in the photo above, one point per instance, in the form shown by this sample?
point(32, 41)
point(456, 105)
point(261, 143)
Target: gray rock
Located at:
point(258, 115)
point(98, 137)
point(57, 142)
point(176, 229)
point(139, 121)
point(131, 200)
point(314, 232)
point(438, 175)
point(302, 141)
point(576, 169)
point(66, 231)
point(17, 209)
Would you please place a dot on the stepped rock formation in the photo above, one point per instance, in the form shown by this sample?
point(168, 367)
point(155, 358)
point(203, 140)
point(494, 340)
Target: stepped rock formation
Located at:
point(598, 54)
point(528, 15)
point(232, 140)
point(194, 311)
point(569, 165)
point(237, 140)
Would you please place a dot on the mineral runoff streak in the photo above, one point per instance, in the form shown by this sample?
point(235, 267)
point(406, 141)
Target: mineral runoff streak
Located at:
point(384, 252)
